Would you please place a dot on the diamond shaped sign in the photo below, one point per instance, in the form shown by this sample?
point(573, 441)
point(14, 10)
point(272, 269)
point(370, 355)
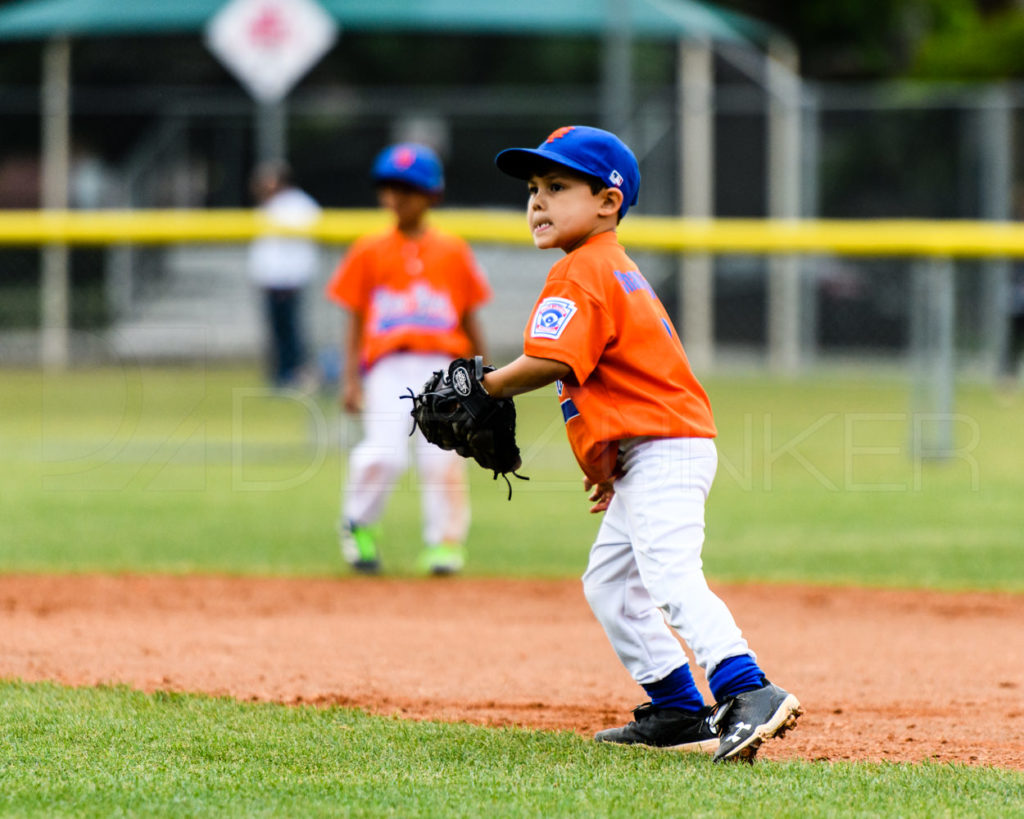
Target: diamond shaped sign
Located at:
point(269, 44)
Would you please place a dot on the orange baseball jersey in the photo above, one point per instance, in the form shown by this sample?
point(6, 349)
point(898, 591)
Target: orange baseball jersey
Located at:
point(630, 377)
point(412, 293)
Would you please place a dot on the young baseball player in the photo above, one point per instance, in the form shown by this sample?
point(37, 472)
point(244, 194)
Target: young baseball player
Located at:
point(411, 295)
point(641, 428)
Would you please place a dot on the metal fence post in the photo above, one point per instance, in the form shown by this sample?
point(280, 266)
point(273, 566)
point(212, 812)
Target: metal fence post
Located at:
point(696, 161)
point(932, 358)
point(810, 132)
point(55, 285)
point(996, 174)
point(271, 130)
point(784, 320)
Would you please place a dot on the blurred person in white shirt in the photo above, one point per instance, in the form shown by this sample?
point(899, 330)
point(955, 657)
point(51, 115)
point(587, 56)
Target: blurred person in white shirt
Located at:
point(282, 266)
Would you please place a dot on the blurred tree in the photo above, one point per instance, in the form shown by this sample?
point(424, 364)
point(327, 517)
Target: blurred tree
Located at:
point(852, 39)
point(987, 49)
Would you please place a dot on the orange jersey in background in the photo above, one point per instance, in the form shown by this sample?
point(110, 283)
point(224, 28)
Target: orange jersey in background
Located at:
point(630, 377)
point(412, 293)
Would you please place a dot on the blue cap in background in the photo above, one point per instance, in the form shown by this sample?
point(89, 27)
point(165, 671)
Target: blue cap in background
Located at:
point(591, 151)
point(411, 164)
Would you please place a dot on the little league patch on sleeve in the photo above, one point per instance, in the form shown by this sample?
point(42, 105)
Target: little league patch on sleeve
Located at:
point(551, 317)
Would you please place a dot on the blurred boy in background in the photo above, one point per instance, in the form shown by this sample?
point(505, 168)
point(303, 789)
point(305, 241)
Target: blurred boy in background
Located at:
point(411, 295)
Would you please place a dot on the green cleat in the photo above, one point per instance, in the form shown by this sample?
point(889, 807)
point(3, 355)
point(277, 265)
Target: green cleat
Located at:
point(442, 560)
point(359, 548)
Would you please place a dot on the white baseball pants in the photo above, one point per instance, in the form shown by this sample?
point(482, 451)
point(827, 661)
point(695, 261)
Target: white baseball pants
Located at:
point(645, 566)
point(382, 456)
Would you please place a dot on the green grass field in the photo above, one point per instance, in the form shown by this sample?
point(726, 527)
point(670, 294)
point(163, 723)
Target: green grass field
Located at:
point(168, 470)
point(204, 471)
point(105, 752)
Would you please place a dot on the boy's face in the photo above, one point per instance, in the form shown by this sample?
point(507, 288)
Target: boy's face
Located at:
point(408, 204)
point(564, 212)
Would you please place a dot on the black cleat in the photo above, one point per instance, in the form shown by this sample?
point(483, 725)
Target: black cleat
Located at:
point(745, 721)
point(673, 729)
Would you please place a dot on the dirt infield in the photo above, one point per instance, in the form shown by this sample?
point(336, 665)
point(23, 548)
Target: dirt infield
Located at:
point(883, 675)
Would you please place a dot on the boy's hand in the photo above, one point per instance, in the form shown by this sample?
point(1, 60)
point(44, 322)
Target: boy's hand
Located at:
point(601, 493)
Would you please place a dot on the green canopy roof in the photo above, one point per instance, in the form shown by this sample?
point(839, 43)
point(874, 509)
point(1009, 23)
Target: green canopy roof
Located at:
point(660, 19)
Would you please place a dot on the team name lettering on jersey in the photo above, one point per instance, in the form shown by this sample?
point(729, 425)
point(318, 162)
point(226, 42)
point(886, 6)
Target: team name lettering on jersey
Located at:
point(419, 306)
point(633, 280)
point(552, 315)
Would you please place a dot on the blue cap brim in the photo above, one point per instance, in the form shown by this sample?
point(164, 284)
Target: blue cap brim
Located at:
point(522, 162)
point(385, 179)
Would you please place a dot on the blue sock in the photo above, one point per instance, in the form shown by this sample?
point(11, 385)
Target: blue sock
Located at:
point(735, 675)
point(677, 690)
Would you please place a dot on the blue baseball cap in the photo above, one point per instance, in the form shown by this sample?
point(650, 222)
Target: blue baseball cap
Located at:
point(411, 164)
point(591, 151)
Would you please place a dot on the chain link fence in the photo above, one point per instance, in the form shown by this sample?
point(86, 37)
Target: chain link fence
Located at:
point(881, 152)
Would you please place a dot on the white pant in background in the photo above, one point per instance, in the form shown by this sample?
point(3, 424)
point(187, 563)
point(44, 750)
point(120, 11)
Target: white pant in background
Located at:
point(645, 565)
point(382, 456)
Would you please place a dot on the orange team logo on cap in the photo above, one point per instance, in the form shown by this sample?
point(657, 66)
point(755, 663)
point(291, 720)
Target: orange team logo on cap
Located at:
point(405, 157)
point(559, 133)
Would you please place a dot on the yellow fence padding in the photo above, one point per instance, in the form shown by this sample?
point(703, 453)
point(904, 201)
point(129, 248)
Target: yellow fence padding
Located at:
point(884, 237)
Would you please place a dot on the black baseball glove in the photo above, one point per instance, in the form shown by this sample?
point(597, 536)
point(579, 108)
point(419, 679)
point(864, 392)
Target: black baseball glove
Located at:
point(454, 412)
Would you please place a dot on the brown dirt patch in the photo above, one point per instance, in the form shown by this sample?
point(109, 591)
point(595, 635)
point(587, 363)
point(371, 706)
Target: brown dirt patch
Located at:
point(883, 675)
